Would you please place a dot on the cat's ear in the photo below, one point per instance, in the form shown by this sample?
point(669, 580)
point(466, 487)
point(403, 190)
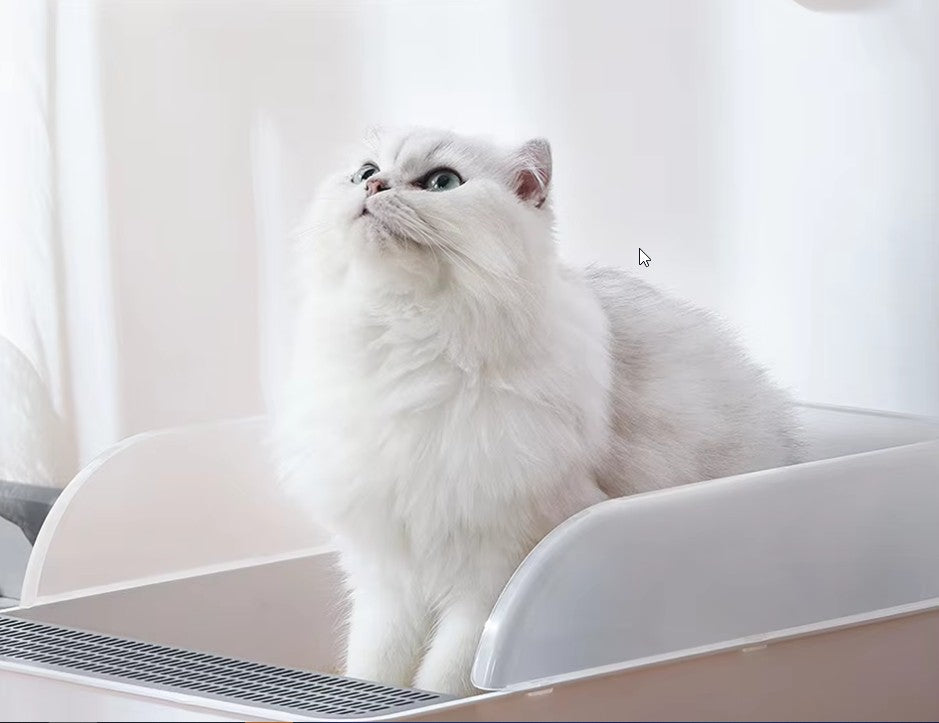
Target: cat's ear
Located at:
point(532, 169)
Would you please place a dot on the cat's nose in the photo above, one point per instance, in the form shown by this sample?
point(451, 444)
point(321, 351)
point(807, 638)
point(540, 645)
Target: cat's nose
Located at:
point(374, 185)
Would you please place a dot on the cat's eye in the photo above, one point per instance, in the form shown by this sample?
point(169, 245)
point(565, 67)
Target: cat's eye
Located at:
point(443, 179)
point(364, 173)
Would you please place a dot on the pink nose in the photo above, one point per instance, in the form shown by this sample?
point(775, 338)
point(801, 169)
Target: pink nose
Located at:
point(374, 185)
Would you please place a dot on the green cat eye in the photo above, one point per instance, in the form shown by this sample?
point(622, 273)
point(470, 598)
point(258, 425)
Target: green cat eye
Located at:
point(367, 170)
point(443, 179)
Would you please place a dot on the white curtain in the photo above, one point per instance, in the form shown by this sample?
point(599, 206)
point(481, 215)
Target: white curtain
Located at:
point(36, 443)
point(141, 279)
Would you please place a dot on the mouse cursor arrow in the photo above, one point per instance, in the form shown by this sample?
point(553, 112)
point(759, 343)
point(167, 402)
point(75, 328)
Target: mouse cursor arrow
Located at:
point(644, 258)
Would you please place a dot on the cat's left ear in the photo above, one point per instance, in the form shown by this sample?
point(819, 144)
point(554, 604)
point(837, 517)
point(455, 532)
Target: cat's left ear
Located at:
point(533, 171)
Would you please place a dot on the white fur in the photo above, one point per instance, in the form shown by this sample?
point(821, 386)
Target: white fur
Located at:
point(457, 392)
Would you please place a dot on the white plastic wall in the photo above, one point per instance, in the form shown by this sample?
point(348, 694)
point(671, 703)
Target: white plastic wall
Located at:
point(722, 565)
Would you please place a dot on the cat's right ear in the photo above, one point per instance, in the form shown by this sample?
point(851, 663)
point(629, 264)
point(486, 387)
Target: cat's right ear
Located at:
point(533, 171)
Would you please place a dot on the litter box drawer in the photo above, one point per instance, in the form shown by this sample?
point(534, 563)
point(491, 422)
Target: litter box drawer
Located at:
point(27, 696)
point(886, 670)
point(878, 671)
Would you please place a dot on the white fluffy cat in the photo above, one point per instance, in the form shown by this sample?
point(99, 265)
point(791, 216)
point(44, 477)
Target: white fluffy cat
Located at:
point(457, 391)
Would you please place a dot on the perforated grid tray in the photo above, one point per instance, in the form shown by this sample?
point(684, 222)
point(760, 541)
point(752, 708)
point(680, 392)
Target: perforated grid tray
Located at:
point(242, 682)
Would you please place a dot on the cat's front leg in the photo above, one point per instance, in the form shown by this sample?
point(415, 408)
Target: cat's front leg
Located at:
point(387, 631)
point(461, 617)
point(467, 604)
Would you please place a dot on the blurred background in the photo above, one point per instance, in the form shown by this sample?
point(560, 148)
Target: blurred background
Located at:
point(777, 160)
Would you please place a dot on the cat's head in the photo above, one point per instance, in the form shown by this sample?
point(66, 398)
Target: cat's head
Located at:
point(432, 207)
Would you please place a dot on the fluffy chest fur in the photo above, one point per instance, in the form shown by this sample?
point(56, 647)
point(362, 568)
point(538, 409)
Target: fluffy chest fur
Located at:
point(416, 424)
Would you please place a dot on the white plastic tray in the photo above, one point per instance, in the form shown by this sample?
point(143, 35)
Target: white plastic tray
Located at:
point(804, 592)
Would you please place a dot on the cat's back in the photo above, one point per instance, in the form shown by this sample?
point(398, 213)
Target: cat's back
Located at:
point(687, 403)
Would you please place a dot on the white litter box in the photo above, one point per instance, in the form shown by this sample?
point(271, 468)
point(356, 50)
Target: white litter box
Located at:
point(807, 592)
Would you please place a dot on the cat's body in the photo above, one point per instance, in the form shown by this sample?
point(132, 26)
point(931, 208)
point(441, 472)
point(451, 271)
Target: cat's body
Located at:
point(457, 392)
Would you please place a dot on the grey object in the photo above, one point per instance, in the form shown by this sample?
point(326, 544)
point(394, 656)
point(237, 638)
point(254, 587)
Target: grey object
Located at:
point(23, 509)
point(14, 557)
point(287, 690)
point(26, 506)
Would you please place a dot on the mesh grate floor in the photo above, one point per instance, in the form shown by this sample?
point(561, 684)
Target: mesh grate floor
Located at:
point(235, 681)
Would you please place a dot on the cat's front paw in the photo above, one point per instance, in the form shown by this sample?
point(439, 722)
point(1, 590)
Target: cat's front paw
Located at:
point(451, 679)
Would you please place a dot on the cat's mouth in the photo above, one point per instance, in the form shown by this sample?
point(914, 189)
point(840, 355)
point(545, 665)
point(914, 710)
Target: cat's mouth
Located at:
point(370, 218)
point(376, 228)
point(390, 221)
point(377, 221)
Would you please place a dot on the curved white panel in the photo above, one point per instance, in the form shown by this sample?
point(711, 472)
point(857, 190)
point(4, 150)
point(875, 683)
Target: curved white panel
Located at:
point(165, 504)
point(709, 564)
